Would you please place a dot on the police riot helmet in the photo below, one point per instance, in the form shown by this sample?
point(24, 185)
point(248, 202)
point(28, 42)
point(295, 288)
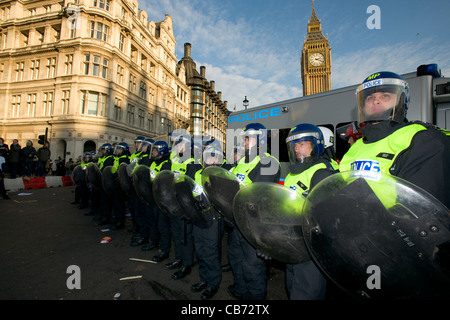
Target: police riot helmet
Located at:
point(182, 143)
point(146, 145)
point(108, 148)
point(212, 153)
point(328, 136)
point(300, 133)
point(255, 130)
point(121, 149)
point(162, 149)
point(383, 96)
point(87, 155)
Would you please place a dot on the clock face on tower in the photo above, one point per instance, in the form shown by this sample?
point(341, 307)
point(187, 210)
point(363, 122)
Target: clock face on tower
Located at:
point(316, 59)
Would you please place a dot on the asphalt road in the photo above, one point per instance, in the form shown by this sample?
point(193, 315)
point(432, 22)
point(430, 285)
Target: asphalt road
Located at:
point(42, 235)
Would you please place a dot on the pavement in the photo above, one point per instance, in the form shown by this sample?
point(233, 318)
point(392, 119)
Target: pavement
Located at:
point(42, 235)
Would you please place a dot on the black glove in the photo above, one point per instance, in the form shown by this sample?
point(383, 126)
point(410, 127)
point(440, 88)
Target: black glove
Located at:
point(262, 255)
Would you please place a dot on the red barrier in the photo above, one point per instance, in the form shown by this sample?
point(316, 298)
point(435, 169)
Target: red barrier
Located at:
point(67, 181)
point(34, 183)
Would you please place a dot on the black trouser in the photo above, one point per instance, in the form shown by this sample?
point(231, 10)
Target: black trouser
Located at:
point(183, 240)
point(249, 271)
point(207, 250)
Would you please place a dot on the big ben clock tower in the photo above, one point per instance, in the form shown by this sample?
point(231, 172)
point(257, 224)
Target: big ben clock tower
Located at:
point(316, 59)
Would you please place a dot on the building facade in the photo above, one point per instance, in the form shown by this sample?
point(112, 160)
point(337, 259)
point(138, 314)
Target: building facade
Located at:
point(316, 58)
point(91, 72)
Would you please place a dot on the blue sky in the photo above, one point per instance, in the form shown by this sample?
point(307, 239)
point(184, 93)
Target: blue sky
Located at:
point(252, 47)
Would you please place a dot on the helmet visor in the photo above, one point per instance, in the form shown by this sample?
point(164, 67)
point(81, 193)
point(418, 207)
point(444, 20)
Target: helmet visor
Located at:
point(381, 99)
point(302, 146)
point(145, 147)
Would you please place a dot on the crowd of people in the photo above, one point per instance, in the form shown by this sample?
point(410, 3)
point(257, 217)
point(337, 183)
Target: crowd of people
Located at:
point(29, 161)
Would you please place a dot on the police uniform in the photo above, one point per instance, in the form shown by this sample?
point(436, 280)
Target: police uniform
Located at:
point(180, 228)
point(119, 199)
point(410, 151)
point(105, 200)
point(250, 271)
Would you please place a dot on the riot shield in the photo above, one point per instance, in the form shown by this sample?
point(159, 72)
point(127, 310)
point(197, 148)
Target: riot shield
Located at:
point(193, 201)
point(126, 182)
point(142, 183)
point(379, 236)
point(269, 217)
point(94, 176)
point(221, 186)
point(110, 181)
point(79, 175)
point(164, 194)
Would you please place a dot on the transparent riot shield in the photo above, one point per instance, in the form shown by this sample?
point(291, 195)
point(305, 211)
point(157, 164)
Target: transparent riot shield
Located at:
point(94, 176)
point(164, 194)
point(269, 217)
point(193, 201)
point(221, 186)
point(110, 181)
point(126, 182)
point(142, 183)
point(79, 175)
point(379, 236)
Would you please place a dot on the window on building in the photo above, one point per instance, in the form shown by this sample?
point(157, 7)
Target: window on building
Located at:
point(130, 114)
point(141, 117)
point(124, 13)
point(103, 4)
point(93, 103)
point(23, 40)
point(143, 90)
point(3, 40)
point(48, 104)
point(19, 70)
point(144, 62)
point(119, 74)
point(99, 31)
point(34, 69)
point(65, 101)
point(121, 42)
point(97, 64)
point(149, 122)
point(51, 67)
point(132, 83)
point(15, 106)
point(117, 109)
point(31, 105)
point(68, 64)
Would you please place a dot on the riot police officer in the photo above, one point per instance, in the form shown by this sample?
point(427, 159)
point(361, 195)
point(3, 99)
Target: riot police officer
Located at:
point(183, 162)
point(162, 234)
point(144, 214)
point(412, 151)
point(305, 145)
point(105, 159)
point(133, 204)
point(207, 239)
point(82, 190)
point(249, 271)
point(121, 155)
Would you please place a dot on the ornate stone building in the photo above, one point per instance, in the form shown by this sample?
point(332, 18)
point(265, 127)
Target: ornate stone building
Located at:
point(94, 71)
point(316, 58)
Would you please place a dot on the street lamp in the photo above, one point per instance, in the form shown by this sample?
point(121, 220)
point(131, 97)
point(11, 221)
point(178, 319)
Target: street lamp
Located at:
point(245, 103)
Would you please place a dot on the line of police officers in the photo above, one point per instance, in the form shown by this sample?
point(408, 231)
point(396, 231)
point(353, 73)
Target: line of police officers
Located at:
point(413, 151)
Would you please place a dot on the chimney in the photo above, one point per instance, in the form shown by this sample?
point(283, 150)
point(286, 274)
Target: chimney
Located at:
point(220, 95)
point(212, 85)
point(202, 71)
point(187, 50)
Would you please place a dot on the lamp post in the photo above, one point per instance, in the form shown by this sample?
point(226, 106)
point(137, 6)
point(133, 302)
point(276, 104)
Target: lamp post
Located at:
point(245, 103)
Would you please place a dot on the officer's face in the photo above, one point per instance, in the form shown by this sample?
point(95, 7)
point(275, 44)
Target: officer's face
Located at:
point(303, 149)
point(155, 152)
point(249, 142)
point(379, 102)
